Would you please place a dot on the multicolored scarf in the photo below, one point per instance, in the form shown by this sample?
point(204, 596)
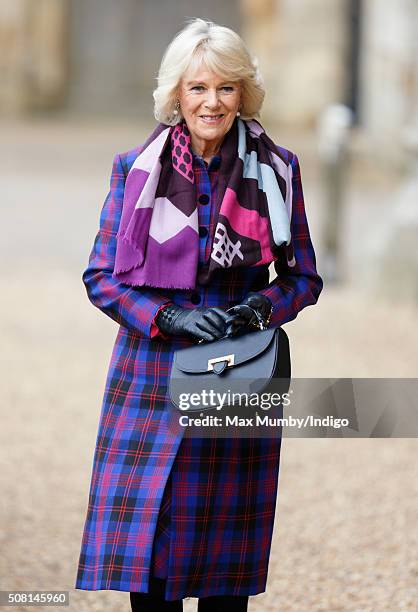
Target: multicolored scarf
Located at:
point(158, 237)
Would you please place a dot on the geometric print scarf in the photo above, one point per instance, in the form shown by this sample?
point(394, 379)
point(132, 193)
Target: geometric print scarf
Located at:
point(158, 237)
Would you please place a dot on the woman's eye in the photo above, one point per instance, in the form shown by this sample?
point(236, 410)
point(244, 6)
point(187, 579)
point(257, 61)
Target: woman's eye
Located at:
point(224, 88)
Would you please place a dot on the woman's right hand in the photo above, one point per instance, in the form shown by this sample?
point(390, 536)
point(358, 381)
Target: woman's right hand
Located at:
point(199, 323)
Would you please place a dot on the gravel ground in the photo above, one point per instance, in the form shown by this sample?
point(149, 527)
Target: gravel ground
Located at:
point(346, 534)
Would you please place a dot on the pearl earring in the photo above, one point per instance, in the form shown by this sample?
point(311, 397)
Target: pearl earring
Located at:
point(176, 108)
point(238, 114)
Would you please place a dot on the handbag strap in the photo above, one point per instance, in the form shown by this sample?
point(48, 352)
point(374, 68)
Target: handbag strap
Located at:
point(260, 321)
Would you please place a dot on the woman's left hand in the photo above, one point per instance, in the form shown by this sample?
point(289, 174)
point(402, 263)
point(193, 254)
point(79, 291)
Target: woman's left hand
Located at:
point(243, 316)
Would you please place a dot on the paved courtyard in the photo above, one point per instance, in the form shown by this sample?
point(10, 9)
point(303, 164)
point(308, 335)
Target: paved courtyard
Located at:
point(346, 536)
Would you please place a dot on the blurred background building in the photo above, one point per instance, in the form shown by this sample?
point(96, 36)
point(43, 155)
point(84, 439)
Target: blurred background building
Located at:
point(102, 56)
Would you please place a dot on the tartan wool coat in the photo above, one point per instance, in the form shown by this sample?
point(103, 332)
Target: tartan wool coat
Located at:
point(221, 492)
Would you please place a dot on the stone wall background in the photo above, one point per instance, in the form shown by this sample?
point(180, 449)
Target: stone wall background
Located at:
point(97, 56)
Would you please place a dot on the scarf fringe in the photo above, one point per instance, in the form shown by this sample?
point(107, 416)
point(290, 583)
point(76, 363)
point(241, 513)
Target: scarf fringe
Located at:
point(124, 241)
point(129, 241)
point(120, 270)
point(154, 286)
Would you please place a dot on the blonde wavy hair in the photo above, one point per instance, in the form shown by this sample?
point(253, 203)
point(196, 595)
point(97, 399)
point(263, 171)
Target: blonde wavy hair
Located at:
point(220, 50)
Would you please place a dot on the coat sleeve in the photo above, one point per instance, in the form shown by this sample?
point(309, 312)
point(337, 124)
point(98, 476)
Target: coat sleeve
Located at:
point(295, 288)
point(131, 307)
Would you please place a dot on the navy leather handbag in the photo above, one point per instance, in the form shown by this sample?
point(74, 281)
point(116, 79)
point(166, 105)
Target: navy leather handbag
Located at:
point(252, 363)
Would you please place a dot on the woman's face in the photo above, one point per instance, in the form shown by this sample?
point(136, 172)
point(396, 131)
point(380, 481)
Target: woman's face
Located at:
point(209, 105)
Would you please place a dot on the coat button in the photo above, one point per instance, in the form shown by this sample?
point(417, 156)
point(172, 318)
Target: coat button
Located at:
point(195, 298)
point(204, 198)
point(203, 232)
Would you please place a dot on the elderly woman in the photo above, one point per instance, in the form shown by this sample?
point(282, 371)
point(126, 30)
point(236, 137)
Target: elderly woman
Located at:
point(193, 219)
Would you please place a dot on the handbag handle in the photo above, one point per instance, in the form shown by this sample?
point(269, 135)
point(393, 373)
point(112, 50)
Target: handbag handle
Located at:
point(261, 323)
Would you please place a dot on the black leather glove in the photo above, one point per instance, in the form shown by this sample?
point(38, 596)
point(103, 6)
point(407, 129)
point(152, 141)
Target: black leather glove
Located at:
point(243, 317)
point(199, 323)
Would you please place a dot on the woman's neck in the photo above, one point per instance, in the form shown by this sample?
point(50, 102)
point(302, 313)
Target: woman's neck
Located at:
point(206, 149)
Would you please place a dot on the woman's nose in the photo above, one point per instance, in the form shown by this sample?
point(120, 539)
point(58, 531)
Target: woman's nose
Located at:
point(212, 99)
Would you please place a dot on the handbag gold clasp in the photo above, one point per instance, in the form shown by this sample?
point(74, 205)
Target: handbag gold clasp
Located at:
point(230, 359)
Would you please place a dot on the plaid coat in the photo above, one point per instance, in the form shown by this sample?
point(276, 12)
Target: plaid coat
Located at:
point(221, 493)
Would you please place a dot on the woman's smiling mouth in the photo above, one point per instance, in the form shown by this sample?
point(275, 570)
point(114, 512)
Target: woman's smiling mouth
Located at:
point(211, 118)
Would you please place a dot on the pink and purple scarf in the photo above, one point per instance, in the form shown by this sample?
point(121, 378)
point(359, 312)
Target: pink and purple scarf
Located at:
point(158, 237)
